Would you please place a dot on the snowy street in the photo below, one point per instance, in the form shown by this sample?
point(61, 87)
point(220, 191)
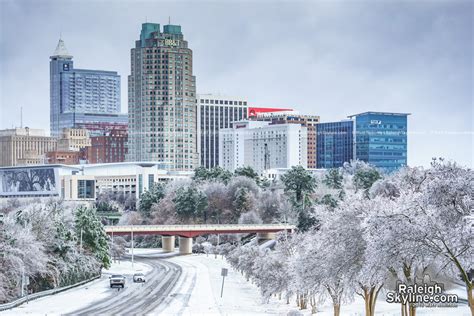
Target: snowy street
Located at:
point(182, 285)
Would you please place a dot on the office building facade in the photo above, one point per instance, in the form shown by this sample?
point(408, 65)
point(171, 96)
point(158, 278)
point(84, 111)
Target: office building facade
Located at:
point(24, 146)
point(162, 99)
point(75, 92)
point(108, 148)
point(262, 146)
point(293, 117)
point(216, 112)
point(74, 139)
point(381, 139)
point(334, 143)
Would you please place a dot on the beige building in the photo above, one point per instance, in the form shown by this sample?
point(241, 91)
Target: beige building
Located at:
point(162, 99)
point(74, 139)
point(24, 146)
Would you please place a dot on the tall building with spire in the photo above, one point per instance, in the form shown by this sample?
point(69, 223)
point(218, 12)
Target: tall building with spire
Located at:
point(82, 98)
point(162, 99)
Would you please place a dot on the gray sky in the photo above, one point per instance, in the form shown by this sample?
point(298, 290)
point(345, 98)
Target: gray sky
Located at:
point(332, 59)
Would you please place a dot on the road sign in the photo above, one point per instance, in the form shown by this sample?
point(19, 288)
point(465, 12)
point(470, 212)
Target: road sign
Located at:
point(224, 274)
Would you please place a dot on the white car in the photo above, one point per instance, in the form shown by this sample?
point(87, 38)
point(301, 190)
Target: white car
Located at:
point(117, 280)
point(139, 277)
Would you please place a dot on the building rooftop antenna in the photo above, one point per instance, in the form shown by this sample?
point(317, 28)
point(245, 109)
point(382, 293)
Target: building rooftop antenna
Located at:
point(169, 19)
point(21, 117)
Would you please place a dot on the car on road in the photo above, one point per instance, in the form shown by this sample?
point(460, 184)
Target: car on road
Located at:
point(117, 280)
point(139, 277)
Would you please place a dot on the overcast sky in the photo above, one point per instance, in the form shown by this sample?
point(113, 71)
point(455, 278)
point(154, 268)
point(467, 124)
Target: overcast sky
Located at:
point(332, 59)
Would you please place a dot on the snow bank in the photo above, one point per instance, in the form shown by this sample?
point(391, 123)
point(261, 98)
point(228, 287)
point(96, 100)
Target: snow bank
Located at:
point(78, 297)
point(198, 291)
point(125, 267)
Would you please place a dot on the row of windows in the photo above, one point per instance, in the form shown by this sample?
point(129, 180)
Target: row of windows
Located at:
point(226, 102)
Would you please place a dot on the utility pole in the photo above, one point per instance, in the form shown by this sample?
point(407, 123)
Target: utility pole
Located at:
point(112, 248)
point(132, 247)
point(80, 249)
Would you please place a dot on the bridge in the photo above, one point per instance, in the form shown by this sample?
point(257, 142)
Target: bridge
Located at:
point(187, 232)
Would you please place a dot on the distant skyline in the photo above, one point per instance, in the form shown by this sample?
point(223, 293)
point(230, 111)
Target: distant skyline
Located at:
point(331, 59)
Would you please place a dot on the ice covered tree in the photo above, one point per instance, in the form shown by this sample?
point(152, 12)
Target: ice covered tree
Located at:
point(94, 238)
point(190, 203)
point(153, 195)
point(445, 219)
point(243, 201)
point(215, 174)
point(299, 182)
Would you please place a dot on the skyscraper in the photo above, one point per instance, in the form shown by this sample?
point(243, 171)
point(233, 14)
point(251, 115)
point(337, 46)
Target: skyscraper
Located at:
point(162, 99)
point(81, 97)
point(334, 144)
point(381, 139)
point(214, 113)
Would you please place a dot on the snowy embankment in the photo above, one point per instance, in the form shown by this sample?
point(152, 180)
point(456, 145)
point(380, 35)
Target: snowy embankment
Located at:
point(79, 297)
point(198, 293)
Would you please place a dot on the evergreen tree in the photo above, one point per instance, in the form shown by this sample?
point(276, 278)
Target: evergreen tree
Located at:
point(215, 174)
point(94, 238)
point(150, 197)
point(190, 203)
point(333, 179)
point(298, 181)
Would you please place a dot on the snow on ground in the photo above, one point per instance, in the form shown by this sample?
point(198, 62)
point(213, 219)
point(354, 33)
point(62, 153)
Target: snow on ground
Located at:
point(199, 291)
point(78, 297)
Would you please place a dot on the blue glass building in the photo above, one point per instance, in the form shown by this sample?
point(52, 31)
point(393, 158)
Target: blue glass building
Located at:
point(381, 139)
point(77, 92)
point(334, 144)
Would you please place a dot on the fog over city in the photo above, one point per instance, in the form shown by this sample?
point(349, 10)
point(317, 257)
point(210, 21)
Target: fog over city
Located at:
point(331, 59)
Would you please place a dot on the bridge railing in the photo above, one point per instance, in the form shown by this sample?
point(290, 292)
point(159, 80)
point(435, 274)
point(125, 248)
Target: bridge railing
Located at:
point(199, 227)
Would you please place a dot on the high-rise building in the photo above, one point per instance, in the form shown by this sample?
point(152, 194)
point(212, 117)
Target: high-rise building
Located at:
point(335, 141)
point(262, 146)
point(24, 146)
point(381, 139)
point(214, 113)
point(74, 93)
point(162, 99)
point(110, 147)
point(293, 117)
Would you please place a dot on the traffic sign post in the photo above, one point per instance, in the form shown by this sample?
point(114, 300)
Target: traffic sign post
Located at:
point(224, 274)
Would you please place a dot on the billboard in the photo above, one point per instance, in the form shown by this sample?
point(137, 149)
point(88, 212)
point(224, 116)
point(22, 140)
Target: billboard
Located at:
point(29, 181)
point(253, 111)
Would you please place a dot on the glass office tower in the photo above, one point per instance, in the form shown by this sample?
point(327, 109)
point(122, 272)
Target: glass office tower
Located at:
point(76, 92)
point(334, 144)
point(381, 139)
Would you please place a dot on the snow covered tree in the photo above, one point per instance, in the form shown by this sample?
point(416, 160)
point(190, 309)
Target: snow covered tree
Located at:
point(190, 203)
point(250, 217)
point(243, 201)
point(298, 181)
point(94, 238)
point(149, 197)
point(214, 174)
point(445, 219)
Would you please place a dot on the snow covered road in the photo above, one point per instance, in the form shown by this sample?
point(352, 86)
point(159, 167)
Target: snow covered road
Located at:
point(140, 298)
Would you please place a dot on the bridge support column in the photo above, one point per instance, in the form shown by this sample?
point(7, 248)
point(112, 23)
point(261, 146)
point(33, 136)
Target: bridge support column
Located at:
point(265, 236)
point(167, 243)
point(185, 245)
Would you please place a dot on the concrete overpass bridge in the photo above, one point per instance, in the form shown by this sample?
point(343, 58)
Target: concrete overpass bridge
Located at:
point(186, 233)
